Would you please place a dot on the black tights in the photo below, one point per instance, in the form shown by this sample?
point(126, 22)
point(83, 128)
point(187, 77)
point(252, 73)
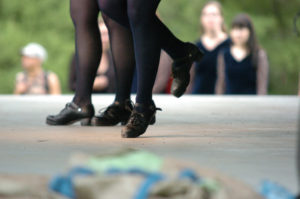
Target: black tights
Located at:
point(123, 57)
point(88, 45)
point(150, 36)
point(118, 11)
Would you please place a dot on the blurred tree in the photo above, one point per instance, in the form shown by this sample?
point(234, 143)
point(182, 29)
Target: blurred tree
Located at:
point(46, 22)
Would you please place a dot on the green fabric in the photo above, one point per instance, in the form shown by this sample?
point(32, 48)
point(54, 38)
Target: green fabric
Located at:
point(131, 159)
point(211, 185)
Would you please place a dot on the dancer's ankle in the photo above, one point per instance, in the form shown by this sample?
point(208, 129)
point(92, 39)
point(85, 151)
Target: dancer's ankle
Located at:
point(82, 102)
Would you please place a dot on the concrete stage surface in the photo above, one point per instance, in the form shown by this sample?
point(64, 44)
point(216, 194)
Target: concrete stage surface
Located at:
point(250, 138)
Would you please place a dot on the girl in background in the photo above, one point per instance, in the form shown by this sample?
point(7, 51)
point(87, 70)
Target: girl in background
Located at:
point(243, 67)
point(212, 40)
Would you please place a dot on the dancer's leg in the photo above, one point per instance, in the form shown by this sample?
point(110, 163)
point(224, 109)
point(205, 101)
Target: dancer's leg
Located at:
point(84, 14)
point(146, 36)
point(121, 45)
point(116, 9)
point(150, 36)
point(123, 57)
point(173, 46)
point(183, 54)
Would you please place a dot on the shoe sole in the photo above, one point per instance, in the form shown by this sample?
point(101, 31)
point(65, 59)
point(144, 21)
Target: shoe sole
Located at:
point(127, 135)
point(83, 122)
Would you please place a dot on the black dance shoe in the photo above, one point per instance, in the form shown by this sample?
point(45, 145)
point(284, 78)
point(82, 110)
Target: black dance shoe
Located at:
point(72, 113)
point(181, 69)
point(114, 114)
point(139, 121)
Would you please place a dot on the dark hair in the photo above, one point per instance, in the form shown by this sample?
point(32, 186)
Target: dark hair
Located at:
point(244, 21)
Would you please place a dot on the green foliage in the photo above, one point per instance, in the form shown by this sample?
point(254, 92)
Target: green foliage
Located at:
point(48, 23)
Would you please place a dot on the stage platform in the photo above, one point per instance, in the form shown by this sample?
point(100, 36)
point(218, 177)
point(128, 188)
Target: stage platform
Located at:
point(250, 138)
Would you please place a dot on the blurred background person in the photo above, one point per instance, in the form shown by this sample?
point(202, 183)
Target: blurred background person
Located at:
point(34, 79)
point(105, 78)
point(163, 79)
point(213, 38)
point(243, 67)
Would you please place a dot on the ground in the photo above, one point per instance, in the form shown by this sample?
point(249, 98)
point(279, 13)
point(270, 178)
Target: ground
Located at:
point(250, 138)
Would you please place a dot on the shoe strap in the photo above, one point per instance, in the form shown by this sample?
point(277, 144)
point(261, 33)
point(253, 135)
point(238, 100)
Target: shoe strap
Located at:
point(135, 116)
point(73, 106)
point(116, 104)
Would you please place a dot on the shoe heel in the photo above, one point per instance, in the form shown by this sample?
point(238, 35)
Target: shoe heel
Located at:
point(86, 122)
